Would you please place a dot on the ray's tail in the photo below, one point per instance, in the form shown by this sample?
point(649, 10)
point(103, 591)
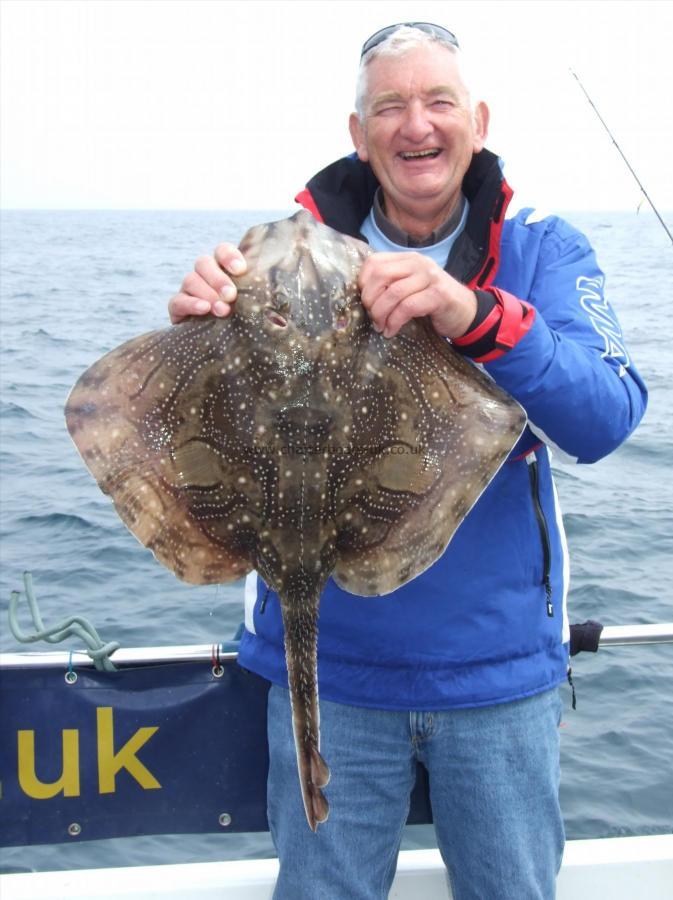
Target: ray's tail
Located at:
point(300, 618)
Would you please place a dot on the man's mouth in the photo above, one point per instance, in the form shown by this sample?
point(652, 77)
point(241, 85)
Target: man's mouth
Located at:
point(420, 154)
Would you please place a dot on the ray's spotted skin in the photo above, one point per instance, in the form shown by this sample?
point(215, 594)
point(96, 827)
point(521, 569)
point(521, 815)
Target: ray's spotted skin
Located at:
point(293, 439)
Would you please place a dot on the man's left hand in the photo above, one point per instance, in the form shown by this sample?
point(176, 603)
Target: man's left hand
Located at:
point(397, 287)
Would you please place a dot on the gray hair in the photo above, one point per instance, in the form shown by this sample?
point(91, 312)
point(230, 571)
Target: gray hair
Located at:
point(401, 41)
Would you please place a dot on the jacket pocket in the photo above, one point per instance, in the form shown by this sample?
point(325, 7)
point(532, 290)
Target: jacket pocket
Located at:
point(534, 479)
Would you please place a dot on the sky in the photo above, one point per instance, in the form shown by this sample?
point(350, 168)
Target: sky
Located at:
point(207, 104)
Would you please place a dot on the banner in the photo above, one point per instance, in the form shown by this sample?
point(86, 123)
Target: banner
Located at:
point(155, 749)
point(167, 748)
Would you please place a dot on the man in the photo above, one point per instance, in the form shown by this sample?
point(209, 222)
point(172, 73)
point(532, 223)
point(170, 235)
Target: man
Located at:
point(459, 668)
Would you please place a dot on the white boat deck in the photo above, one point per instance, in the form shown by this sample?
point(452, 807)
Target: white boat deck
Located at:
point(618, 868)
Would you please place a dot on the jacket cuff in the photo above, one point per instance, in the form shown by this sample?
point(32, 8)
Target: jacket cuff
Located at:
point(501, 321)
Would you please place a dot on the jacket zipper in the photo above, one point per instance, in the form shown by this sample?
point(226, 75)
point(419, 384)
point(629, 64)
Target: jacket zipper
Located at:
point(534, 477)
point(262, 605)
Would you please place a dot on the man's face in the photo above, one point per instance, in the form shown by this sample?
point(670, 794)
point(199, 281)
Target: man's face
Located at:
point(418, 134)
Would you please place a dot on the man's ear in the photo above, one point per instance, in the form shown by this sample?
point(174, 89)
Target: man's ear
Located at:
point(481, 117)
point(358, 137)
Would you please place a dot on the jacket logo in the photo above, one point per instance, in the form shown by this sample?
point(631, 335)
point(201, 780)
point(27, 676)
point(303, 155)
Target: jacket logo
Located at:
point(602, 318)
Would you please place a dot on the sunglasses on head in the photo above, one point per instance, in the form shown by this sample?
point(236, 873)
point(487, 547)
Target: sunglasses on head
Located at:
point(435, 30)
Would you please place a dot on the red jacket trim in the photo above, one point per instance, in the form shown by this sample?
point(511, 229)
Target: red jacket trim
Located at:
point(305, 199)
point(527, 452)
point(516, 319)
point(471, 336)
point(484, 277)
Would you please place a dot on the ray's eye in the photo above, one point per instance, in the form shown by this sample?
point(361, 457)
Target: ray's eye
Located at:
point(340, 308)
point(281, 297)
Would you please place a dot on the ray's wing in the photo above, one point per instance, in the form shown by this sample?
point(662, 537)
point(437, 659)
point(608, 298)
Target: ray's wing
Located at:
point(152, 422)
point(443, 430)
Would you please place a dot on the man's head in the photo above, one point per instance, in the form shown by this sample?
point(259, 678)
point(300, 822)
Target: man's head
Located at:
point(416, 124)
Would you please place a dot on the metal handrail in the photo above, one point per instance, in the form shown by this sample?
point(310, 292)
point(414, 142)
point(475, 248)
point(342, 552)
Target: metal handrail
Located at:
point(612, 635)
point(125, 656)
point(616, 635)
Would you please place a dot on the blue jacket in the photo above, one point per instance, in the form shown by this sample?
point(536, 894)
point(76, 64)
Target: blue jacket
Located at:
point(487, 623)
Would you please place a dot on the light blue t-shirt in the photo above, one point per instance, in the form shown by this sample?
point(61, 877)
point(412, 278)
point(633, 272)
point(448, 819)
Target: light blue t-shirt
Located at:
point(439, 252)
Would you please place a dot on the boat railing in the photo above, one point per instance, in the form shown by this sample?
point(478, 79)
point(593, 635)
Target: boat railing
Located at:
point(610, 636)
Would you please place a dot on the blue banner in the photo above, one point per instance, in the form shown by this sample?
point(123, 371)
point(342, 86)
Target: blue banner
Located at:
point(154, 749)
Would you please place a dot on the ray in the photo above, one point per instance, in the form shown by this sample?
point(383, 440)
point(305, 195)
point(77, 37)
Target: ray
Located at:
point(293, 439)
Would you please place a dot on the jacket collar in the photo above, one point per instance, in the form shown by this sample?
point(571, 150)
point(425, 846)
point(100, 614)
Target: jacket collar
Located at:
point(342, 194)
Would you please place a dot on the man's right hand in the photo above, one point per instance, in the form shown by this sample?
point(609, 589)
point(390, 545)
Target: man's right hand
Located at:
point(209, 289)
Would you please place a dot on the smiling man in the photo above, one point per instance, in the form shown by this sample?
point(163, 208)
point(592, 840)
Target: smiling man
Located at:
point(460, 668)
point(418, 134)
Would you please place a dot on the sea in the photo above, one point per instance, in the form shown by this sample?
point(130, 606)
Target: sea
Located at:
point(75, 284)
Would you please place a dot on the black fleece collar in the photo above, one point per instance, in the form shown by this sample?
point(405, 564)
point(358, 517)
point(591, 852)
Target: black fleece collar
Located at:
point(343, 194)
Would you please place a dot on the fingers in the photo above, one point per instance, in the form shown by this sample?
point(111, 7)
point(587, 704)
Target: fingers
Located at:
point(183, 305)
point(413, 306)
point(230, 258)
point(394, 289)
point(215, 279)
point(400, 301)
point(209, 289)
point(203, 285)
point(398, 287)
point(200, 294)
point(380, 269)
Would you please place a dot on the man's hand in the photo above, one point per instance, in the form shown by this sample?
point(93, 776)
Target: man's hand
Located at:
point(397, 287)
point(209, 289)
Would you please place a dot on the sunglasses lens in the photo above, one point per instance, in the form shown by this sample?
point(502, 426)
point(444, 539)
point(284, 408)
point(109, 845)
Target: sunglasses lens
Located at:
point(435, 30)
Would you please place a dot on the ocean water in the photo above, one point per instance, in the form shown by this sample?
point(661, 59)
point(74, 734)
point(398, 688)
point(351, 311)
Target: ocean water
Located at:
point(76, 284)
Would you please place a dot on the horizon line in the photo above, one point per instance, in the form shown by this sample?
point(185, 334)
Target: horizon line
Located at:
point(246, 209)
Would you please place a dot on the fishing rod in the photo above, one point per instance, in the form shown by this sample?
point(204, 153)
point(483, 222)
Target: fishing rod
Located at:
point(602, 121)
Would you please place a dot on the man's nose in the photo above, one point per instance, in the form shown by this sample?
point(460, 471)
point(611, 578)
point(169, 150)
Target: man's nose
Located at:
point(416, 124)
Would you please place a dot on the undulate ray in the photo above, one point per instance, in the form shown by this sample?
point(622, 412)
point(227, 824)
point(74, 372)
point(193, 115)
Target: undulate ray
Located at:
point(293, 439)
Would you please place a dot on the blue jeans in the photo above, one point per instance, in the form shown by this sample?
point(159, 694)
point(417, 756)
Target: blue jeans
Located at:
point(494, 778)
